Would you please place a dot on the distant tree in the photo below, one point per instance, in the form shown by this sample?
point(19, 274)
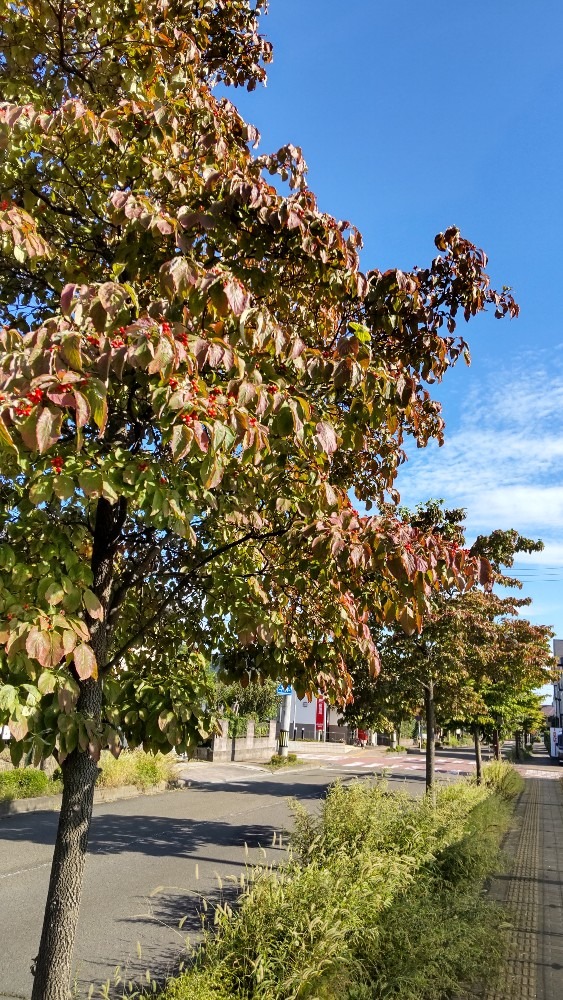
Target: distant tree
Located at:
point(470, 643)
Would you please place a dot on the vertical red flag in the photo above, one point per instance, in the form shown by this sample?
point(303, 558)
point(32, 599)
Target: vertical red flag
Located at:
point(320, 718)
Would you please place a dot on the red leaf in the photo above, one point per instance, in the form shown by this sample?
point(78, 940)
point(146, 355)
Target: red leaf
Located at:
point(326, 437)
point(82, 409)
point(85, 662)
point(237, 296)
point(18, 729)
point(48, 430)
point(201, 435)
point(38, 647)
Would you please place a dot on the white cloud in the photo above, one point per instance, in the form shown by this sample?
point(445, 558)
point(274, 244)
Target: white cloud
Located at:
point(503, 461)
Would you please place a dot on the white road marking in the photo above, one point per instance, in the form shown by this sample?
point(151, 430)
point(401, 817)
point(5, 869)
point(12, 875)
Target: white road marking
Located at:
point(24, 871)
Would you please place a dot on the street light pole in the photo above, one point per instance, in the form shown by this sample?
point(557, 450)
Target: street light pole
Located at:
point(283, 741)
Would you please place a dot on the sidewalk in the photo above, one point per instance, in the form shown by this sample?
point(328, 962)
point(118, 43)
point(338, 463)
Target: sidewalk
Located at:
point(533, 890)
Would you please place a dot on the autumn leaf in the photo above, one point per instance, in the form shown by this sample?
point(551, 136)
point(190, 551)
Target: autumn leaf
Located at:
point(85, 662)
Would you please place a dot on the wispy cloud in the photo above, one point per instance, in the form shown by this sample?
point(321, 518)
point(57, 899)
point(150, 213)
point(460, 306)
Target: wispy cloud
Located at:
point(503, 460)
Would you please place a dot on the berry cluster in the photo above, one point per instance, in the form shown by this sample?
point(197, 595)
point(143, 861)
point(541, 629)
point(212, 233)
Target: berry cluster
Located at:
point(23, 410)
point(57, 464)
point(3, 206)
point(35, 396)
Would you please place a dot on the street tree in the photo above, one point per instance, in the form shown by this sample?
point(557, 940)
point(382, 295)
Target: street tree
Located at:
point(472, 641)
point(193, 374)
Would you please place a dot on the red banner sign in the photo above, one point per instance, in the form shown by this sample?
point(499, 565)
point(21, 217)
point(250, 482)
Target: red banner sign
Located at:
point(320, 718)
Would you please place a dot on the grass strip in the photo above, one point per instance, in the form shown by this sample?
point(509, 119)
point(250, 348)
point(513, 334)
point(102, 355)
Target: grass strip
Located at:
point(381, 899)
point(132, 767)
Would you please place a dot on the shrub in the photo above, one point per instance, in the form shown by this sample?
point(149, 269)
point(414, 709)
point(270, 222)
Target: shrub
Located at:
point(238, 725)
point(25, 783)
point(315, 928)
point(135, 767)
point(380, 899)
point(276, 761)
point(262, 729)
point(197, 984)
point(503, 779)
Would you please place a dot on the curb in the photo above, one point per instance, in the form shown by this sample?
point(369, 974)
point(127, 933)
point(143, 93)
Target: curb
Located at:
point(52, 803)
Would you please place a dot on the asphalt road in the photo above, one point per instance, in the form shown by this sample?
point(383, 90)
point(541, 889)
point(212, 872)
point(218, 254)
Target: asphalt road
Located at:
point(151, 859)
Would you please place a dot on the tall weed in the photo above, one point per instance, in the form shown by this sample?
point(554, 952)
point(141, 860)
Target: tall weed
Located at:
point(503, 778)
point(380, 900)
point(134, 767)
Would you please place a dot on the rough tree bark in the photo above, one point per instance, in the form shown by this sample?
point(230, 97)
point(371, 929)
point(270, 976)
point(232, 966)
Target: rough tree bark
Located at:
point(53, 965)
point(478, 758)
point(496, 745)
point(430, 713)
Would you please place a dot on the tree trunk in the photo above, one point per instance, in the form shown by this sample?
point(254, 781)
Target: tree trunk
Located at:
point(496, 745)
point(53, 965)
point(430, 713)
point(54, 961)
point(478, 759)
point(518, 742)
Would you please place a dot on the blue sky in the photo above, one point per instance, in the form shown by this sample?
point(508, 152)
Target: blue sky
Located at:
point(413, 117)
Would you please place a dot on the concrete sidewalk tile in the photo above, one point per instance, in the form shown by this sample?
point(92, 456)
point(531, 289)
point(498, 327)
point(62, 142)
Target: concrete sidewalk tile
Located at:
point(534, 893)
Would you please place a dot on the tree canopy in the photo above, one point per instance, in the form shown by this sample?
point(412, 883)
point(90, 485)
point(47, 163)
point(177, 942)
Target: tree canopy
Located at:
point(194, 373)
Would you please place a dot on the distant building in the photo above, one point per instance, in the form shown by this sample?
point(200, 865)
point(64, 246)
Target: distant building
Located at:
point(558, 685)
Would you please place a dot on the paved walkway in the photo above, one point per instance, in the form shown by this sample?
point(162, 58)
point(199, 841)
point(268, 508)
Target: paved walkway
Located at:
point(534, 890)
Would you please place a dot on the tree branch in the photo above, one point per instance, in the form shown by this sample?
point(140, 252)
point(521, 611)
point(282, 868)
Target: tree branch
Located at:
point(182, 582)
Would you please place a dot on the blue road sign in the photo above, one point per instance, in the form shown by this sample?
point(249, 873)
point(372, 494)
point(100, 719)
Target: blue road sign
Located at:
point(284, 690)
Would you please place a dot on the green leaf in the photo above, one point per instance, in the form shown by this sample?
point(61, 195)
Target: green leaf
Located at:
point(54, 594)
point(361, 332)
point(92, 605)
point(180, 441)
point(47, 682)
point(96, 394)
point(283, 424)
point(91, 481)
point(70, 350)
point(42, 490)
point(63, 487)
point(5, 436)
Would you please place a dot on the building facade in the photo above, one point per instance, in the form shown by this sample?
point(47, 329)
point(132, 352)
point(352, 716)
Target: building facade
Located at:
point(558, 686)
